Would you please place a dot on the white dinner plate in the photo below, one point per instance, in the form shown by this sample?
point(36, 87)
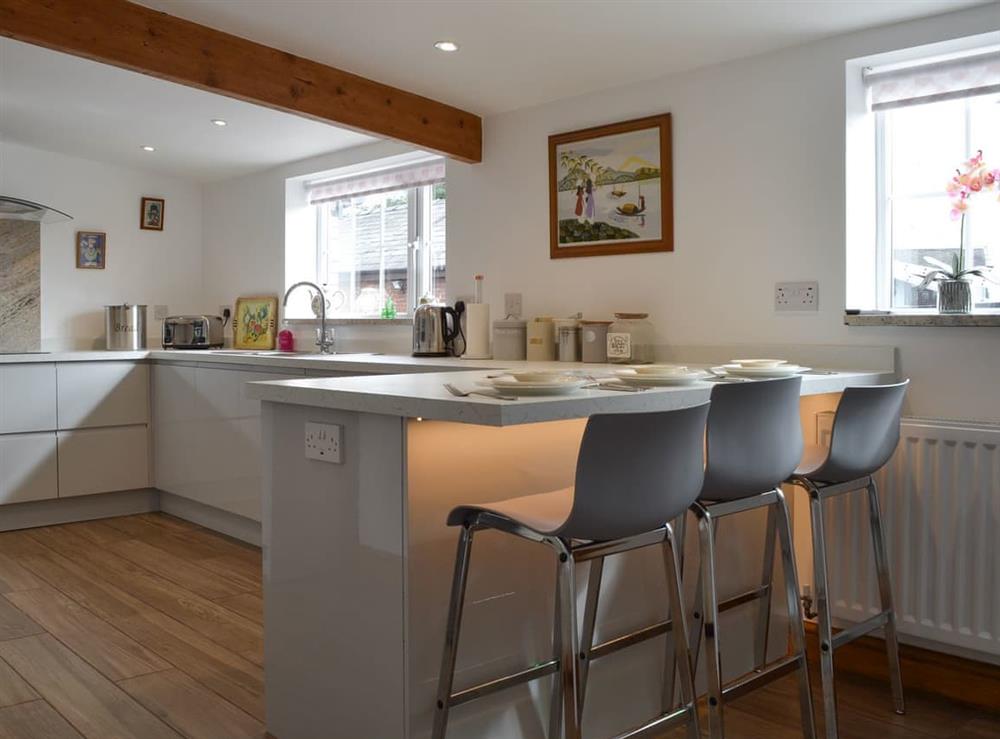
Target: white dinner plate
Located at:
point(666, 380)
point(561, 386)
point(782, 370)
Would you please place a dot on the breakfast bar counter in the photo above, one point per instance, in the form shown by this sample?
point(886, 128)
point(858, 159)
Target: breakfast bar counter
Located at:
point(358, 560)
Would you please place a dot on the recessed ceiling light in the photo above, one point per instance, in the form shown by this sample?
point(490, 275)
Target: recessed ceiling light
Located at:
point(149, 148)
point(219, 122)
point(446, 46)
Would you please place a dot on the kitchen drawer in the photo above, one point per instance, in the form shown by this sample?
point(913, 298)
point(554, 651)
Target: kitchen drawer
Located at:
point(27, 398)
point(103, 460)
point(28, 469)
point(93, 394)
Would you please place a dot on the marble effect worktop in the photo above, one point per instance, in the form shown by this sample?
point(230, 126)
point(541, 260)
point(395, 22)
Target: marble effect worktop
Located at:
point(423, 396)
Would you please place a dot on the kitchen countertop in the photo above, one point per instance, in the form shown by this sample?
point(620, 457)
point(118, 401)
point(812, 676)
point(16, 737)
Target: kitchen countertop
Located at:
point(423, 396)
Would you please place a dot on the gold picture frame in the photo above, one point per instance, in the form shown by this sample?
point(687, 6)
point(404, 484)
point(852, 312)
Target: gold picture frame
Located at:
point(255, 322)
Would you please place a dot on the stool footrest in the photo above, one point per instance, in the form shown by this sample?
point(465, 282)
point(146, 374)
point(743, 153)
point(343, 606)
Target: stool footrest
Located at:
point(777, 669)
point(627, 640)
point(502, 683)
point(860, 629)
point(658, 725)
point(748, 597)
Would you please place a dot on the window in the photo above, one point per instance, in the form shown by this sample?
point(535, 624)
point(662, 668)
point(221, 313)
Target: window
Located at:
point(922, 137)
point(380, 247)
point(918, 148)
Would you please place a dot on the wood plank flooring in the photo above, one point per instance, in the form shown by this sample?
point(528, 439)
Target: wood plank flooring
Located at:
point(149, 627)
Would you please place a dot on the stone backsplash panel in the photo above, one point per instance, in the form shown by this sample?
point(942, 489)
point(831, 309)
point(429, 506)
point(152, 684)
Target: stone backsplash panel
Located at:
point(20, 285)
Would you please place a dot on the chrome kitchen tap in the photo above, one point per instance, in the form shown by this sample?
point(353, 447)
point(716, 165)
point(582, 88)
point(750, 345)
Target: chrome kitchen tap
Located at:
point(325, 347)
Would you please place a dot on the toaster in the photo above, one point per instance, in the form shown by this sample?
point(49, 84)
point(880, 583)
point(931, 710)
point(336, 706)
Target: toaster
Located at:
point(193, 332)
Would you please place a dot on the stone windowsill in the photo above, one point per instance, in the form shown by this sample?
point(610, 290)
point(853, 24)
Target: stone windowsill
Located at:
point(967, 320)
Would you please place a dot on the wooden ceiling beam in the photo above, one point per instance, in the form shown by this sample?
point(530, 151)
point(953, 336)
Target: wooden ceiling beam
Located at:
point(135, 37)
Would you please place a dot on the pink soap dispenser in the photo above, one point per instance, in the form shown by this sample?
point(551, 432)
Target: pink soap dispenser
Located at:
point(286, 339)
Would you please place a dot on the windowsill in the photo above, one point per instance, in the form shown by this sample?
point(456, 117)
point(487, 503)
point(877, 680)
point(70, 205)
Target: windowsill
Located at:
point(341, 321)
point(961, 320)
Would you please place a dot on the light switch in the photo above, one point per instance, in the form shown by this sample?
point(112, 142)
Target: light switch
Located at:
point(323, 442)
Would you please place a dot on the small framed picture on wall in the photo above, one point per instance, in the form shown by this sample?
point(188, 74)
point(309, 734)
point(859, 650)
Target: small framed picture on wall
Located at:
point(91, 250)
point(151, 218)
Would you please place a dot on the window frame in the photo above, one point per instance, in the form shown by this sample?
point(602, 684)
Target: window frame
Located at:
point(419, 271)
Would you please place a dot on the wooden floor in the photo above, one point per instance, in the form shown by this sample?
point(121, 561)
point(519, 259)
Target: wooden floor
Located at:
point(150, 627)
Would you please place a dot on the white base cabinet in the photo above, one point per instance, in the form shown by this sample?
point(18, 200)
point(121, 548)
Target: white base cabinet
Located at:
point(206, 435)
point(27, 398)
point(103, 460)
point(28, 467)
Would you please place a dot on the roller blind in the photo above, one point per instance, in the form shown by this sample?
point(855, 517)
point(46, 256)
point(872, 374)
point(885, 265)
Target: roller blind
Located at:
point(932, 82)
point(386, 180)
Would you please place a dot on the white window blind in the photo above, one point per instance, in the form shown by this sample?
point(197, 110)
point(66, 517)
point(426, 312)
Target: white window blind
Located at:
point(932, 82)
point(387, 180)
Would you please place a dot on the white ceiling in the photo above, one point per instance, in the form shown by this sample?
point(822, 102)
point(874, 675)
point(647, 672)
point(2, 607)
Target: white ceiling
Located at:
point(518, 53)
point(63, 103)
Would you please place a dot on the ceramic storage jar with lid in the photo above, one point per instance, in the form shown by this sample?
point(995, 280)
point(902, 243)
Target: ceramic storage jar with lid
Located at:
point(541, 340)
point(630, 339)
point(594, 340)
point(510, 339)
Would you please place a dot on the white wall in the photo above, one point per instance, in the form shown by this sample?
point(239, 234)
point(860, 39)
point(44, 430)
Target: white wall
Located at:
point(151, 267)
point(759, 173)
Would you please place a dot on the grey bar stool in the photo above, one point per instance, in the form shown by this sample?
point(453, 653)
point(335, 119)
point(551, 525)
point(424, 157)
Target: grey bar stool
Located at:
point(635, 472)
point(753, 443)
point(865, 434)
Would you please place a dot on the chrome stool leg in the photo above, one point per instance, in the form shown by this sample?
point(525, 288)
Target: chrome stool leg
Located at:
point(885, 594)
point(555, 711)
point(588, 625)
point(447, 674)
point(821, 585)
point(764, 604)
point(780, 512)
point(681, 653)
point(566, 594)
point(710, 617)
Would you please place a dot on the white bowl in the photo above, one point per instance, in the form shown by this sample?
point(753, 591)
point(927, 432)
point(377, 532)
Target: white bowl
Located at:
point(758, 362)
point(659, 369)
point(537, 375)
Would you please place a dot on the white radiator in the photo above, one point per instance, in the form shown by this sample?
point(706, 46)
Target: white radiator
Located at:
point(940, 497)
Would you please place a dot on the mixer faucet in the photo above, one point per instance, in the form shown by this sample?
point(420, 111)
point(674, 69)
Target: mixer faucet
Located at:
point(325, 346)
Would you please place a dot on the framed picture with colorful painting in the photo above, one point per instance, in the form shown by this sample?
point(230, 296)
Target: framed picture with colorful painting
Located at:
point(611, 189)
point(255, 323)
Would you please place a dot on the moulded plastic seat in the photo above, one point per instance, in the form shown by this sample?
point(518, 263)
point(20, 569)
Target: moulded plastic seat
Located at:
point(865, 434)
point(754, 438)
point(545, 512)
point(634, 472)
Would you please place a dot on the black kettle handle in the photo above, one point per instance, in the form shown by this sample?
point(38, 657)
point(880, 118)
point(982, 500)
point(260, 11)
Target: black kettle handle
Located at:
point(452, 334)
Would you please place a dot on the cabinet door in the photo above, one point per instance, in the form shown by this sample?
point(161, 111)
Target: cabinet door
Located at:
point(27, 398)
point(28, 467)
point(103, 460)
point(93, 394)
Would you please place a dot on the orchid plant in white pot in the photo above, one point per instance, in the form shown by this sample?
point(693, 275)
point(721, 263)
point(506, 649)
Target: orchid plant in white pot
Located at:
point(954, 289)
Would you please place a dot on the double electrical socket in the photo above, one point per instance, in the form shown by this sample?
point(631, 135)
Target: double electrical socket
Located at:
point(796, 296)
point(323, 442)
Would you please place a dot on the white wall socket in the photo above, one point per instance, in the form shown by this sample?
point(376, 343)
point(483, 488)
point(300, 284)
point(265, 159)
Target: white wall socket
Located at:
point(796, 296)
point(512, 305)
point(160, 312)
point(323, 442)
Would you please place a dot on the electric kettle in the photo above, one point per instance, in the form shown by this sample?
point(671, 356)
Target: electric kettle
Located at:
point(435, 328)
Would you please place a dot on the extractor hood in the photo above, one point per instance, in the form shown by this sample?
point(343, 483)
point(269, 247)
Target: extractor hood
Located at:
point(16, 209)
